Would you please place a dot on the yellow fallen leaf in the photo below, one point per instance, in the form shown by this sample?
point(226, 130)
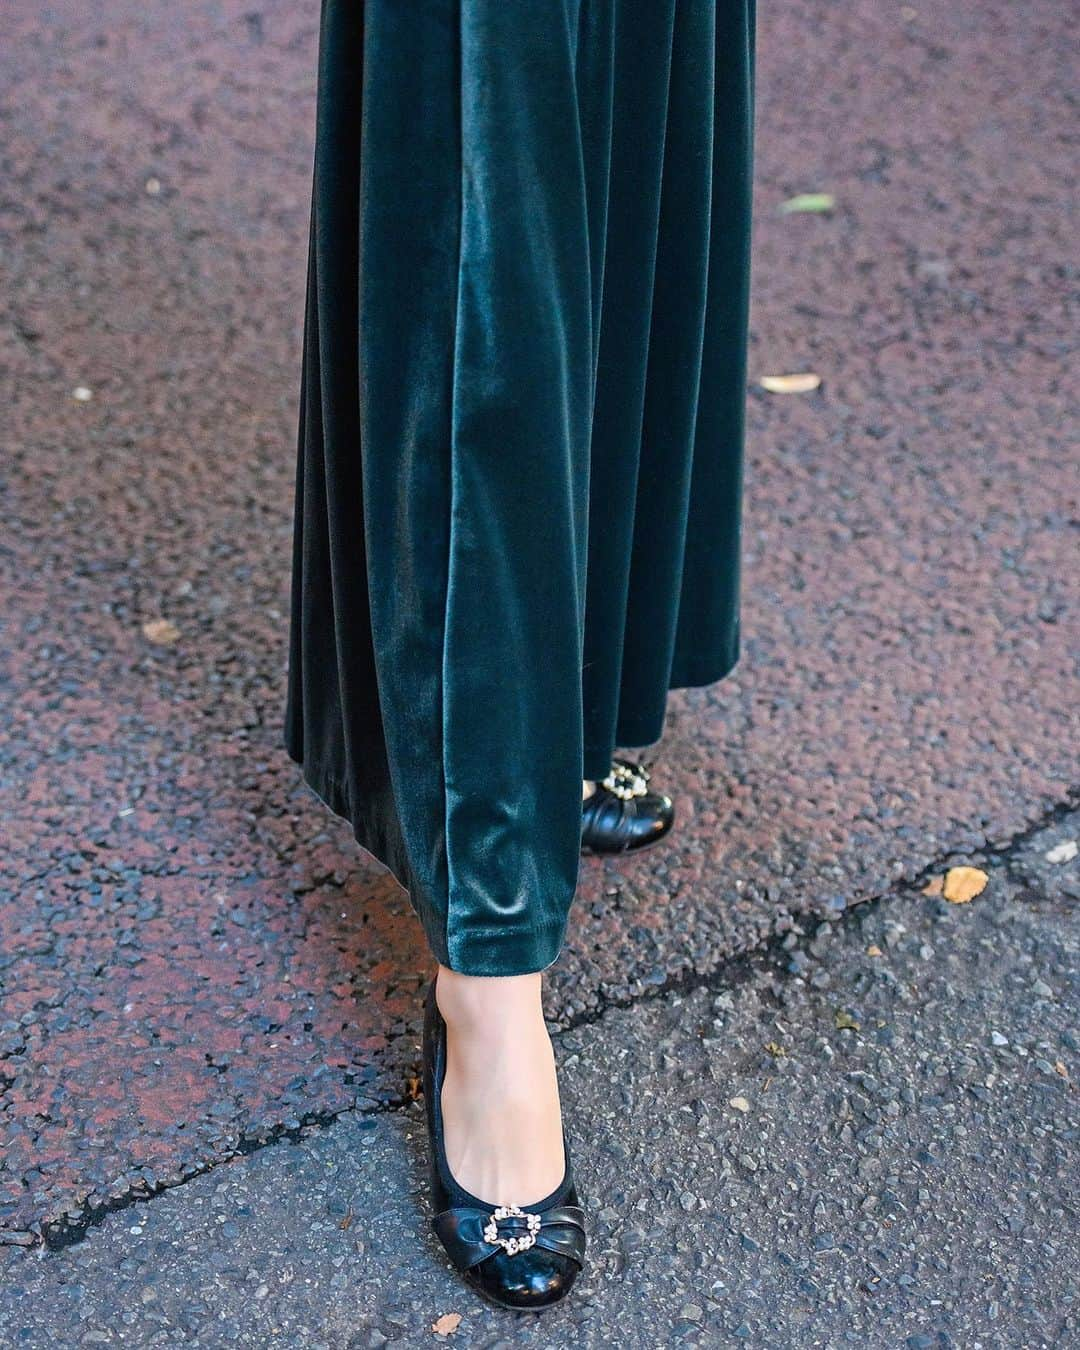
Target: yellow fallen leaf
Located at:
point(447, 1324)
point(803, 383)
point(775, 1049)
point(963, 884)
point(163, 632)
point(934, 886)
point(845, 1021)
point(808, 201)
point(873, 950)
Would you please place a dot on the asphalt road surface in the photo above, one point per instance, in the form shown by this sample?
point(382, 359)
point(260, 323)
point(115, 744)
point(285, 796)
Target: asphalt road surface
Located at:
point(205, 984)
point(866, 1136)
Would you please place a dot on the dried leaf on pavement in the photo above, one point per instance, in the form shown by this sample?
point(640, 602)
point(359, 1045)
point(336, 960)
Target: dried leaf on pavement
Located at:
point(963, 884)
point(808, 201)
point(162, 632)
point(803, 382)
point(934, 886)
point(845, 1021)
point(447, 1324)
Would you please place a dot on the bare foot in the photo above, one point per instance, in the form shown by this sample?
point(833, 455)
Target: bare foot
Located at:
point(500, 1098)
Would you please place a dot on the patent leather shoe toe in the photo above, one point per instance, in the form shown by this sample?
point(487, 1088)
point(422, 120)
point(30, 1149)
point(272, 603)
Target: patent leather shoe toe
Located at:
point(623, 815)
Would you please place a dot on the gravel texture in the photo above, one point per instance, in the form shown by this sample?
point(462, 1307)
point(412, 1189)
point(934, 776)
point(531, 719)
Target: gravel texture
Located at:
point(866, 1137)
point(194, 959)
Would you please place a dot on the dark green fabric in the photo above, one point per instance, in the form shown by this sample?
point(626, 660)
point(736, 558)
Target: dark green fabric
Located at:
point(517, 510)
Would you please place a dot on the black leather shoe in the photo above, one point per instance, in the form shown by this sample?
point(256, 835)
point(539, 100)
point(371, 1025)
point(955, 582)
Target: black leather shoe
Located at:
point(622, 814)
point(521, 1259)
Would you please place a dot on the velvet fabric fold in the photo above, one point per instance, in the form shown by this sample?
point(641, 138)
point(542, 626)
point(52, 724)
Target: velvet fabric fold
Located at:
point(520, 460)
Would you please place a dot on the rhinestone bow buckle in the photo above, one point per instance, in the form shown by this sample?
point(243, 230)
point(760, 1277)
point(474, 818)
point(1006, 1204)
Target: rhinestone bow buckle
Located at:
point(511, 1245)
point(626, 780)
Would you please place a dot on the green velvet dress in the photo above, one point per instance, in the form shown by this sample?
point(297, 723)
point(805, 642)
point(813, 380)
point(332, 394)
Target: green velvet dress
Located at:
point(517, 506)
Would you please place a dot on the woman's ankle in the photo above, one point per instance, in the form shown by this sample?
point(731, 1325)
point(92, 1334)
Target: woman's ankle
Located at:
point(483, 1003)
point(498, 1050)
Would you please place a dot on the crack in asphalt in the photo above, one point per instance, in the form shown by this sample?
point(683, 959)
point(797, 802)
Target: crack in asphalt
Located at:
point(731, 972)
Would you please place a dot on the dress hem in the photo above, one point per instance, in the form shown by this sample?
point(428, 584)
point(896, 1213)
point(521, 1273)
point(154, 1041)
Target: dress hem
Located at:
point(534, 949)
